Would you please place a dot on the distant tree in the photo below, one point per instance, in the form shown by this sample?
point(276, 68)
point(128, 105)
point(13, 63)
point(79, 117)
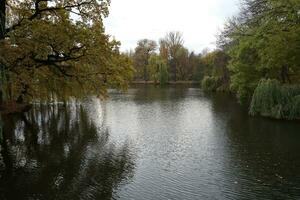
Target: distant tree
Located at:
point(216, 69)
point(158, 69)
point(171, 44)
point(164, 50)
point(196, 66)
point(183, 65)
point(145, 48)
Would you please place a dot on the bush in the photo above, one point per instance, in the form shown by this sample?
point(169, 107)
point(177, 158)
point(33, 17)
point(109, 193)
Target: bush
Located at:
point(271, 99)
point(209, 83)
point(295, 108)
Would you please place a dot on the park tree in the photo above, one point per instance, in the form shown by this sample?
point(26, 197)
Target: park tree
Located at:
point(163, 49)
point(216, 71)
point(158, 70)
point(196, 66)
point(263, 42)
point(56, 49)
point(145, 48)
point(183, 66)
point(171, 44)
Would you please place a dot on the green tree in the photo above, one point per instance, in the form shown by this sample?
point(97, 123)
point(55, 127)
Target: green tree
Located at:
point(145, 48)
point(263, 42)
point(216, 71)
point(159, 70)
point(183, 67)
point(196, 66)
point(171, 44)
point(271, 99)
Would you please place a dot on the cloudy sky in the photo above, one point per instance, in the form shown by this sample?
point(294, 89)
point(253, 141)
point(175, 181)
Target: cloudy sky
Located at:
point(198, 20)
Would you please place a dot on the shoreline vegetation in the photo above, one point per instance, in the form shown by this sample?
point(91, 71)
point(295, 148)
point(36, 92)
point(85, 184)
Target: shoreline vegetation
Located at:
point(271, 99)
point(257, 59)
point(256, 56)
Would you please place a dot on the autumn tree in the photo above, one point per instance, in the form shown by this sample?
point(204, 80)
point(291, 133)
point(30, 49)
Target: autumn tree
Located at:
point(55, 49)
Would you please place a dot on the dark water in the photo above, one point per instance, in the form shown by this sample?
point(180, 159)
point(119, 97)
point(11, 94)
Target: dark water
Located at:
point(151, 143)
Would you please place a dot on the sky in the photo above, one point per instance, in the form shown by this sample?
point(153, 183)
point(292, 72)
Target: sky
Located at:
point(198, 20)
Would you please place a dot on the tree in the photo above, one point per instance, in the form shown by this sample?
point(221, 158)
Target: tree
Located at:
point(263, 42)
point(46, 53)
point(163, 49)
point(271, 99)
point(158, 69)
point(197, 67)
point(170, 45)
point(183, 66)
point(216, 70)
point(145, 48)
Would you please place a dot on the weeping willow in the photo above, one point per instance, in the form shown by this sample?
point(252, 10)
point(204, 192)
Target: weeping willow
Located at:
point(271, 99)
point(209, 83)
point(158, 70)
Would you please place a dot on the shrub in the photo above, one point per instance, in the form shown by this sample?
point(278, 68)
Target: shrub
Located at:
point(209, 83)
point(294, 108)
point(271, 99)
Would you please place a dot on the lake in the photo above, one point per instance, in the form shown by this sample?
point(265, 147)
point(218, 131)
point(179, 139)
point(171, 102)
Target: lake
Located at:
point(150, 143)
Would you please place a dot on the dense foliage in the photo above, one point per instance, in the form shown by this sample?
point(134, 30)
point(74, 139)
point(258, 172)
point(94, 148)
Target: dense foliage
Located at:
point(171, 62)
point(145, 48)
point(158, 70)
point(210, 84)
point(216, 72)
point(271, 99)
point(176, 62)
point(263, 42)
point(56, 49)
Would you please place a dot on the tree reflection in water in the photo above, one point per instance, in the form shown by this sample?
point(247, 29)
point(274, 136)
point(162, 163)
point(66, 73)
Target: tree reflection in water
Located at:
point(59, 152)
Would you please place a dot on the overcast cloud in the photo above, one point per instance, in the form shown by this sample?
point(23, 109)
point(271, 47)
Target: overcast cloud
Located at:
point(198, 20)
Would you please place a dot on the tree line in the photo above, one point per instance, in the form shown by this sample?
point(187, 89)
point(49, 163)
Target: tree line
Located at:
point(168, 60)
point(257, 59)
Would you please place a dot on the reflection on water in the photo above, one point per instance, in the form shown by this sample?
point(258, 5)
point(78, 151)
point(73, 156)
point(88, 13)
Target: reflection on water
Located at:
point(150, 143)
point(58, 152)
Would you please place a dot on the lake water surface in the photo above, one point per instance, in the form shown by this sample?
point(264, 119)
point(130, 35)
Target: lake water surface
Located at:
point(150, 143)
